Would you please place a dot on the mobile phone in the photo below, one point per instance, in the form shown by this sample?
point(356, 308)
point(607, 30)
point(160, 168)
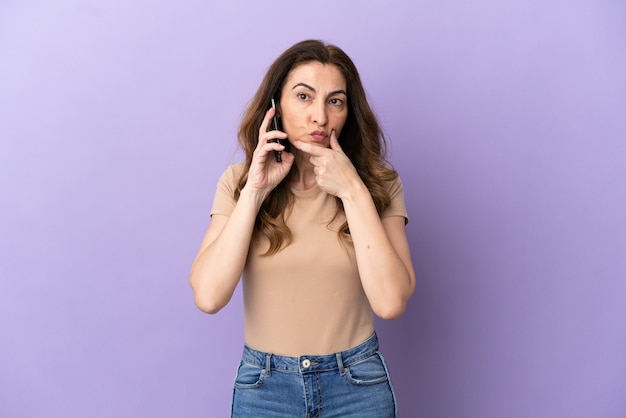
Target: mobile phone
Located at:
point(276, 126)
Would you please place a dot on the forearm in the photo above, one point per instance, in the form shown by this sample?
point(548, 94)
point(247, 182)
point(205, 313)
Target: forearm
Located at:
point(218, 266)
point(387, 280)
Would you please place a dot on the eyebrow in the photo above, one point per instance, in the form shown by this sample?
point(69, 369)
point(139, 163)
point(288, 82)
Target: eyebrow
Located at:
point(332, 93)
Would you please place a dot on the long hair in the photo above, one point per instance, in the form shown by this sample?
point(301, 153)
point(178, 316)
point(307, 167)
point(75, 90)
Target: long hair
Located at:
point(361, 139)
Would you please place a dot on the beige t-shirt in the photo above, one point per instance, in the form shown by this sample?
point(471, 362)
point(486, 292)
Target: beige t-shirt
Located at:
point(308, 297)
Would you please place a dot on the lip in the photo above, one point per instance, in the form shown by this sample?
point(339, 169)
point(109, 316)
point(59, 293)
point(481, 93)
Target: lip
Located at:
point(319, 136)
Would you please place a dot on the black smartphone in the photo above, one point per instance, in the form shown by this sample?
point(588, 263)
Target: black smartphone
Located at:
point(277, 127)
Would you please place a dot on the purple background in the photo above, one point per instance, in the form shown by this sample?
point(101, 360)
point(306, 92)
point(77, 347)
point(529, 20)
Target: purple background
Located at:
point(507, 122)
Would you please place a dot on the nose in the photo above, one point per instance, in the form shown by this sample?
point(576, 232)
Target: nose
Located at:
point(319, 113)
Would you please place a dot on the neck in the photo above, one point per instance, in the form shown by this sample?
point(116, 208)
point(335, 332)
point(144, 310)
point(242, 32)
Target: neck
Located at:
point(303, 177)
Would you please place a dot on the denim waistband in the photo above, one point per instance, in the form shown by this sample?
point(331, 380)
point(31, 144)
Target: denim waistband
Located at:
point(311, 363)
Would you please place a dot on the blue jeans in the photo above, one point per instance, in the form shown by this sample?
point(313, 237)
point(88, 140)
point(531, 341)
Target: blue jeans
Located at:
point(352, 383)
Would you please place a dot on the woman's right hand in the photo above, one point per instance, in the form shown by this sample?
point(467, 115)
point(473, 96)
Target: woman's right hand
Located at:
point(265, 173)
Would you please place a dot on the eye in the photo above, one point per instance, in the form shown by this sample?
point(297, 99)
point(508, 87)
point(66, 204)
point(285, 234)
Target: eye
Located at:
point(336, 101)
point(303, 96)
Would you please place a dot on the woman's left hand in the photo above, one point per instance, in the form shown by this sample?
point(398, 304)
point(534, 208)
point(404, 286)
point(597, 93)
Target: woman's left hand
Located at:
point(334, 171)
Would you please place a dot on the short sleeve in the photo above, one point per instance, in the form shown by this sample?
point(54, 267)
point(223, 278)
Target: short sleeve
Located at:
point(397, 206)
point(224, 200)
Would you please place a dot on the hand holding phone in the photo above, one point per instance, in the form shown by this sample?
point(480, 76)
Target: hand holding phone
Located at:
point(277, 127)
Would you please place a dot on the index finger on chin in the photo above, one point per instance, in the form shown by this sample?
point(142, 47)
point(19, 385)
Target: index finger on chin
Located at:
point(309, 148)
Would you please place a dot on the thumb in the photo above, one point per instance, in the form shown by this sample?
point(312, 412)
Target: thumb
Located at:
point(334, 143)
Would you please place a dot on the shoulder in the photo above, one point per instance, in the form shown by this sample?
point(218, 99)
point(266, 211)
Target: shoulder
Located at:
point(394, 186)
point(224, 200)
point(233, 173)
point(397, 205)
point(228, 182)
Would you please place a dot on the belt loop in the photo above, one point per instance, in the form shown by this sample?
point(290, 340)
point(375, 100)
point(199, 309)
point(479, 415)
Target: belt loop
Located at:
point(268, 364)
point(342, 370)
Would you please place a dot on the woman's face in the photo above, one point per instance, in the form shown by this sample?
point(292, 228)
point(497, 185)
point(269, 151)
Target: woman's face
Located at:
point(313, 103)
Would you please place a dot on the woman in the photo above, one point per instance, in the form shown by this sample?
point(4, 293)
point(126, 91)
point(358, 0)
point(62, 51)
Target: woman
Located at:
point(319, 238)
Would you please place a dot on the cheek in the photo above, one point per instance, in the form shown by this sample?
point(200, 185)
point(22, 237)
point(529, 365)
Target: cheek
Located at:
point(286, 118)
point(338, 122)
point(289, 121)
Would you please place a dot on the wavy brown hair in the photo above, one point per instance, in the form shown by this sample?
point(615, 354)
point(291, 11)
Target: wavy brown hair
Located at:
point(361, 139)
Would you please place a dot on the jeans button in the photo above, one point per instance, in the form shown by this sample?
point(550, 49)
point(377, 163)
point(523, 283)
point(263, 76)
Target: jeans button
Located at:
point(306, 363)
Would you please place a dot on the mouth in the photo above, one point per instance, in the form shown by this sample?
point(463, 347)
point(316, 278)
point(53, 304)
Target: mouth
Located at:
point(319, 136)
